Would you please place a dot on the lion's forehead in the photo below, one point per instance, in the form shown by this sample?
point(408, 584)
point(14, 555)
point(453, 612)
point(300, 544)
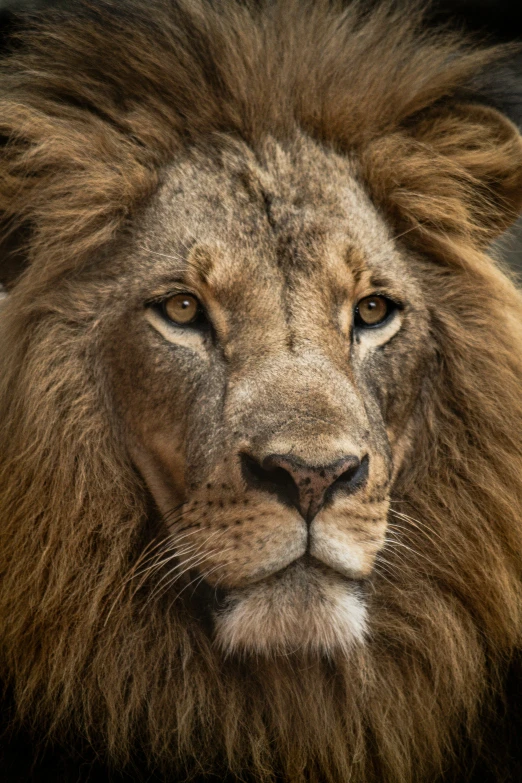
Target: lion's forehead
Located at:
point(294, 222)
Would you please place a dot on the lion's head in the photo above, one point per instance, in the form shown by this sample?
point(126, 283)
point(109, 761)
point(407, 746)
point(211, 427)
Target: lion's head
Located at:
point(261, 465)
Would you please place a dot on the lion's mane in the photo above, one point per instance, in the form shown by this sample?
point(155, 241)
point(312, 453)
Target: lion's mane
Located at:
point(91, 108)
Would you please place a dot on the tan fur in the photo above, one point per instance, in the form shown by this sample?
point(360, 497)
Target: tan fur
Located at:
point(142, 149)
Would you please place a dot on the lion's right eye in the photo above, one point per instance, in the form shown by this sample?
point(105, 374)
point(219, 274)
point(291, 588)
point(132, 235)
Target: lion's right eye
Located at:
point(182, 309)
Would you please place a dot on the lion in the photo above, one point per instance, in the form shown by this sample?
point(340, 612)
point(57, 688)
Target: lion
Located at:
point(261, 410)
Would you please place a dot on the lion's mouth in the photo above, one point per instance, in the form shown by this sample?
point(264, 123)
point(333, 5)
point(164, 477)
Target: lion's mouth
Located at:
point(216, 596)
point(306, 564)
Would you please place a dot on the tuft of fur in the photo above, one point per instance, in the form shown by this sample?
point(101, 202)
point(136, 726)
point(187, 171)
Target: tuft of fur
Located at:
point(91, 109)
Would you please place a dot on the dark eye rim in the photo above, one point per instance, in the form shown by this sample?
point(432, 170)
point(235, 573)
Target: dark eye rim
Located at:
point(392, 306)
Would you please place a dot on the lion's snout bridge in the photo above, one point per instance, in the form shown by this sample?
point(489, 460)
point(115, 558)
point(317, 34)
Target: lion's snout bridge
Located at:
point(303, 484)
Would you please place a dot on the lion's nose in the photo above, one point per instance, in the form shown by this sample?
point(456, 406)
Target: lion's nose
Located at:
point(305, 486)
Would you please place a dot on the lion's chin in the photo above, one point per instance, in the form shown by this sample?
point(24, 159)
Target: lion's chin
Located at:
point(303, 608)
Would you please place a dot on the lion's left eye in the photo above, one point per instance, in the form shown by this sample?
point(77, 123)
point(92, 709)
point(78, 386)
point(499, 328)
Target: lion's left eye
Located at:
point(373, 311)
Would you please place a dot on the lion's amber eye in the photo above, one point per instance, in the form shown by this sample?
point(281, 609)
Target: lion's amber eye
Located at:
point(182, 309)
point(373, 310)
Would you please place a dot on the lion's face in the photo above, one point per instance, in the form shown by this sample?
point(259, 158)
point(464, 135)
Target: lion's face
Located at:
point(269, 346)
point(260, 400)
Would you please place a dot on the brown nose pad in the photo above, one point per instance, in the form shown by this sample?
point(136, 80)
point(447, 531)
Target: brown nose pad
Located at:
point(307, 487)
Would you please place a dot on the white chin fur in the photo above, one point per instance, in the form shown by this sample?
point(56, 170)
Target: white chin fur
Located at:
point(302, 609)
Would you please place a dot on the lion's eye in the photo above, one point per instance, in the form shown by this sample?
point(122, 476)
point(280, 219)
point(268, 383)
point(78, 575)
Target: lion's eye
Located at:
point(373, 311)
point(181, 309)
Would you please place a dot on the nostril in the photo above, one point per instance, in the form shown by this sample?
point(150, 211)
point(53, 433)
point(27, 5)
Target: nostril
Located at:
point(274, 471)
point(351, 479)
point(270, 477)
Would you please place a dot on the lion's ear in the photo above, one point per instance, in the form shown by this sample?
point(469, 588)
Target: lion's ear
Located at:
point(453, 173)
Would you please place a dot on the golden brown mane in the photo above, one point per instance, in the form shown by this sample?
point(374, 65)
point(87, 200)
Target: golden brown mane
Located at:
point(92, 108)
